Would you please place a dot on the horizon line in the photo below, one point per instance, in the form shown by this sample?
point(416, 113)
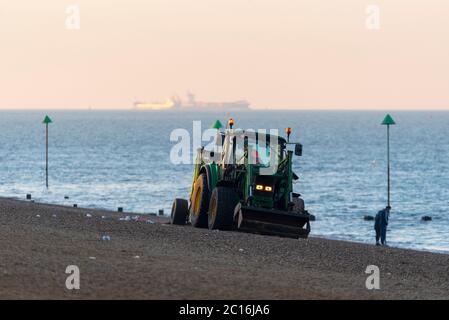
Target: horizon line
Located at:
point(211, 110)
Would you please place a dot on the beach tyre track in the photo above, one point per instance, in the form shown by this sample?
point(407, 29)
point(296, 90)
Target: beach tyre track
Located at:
point(221, 209)
point(179, 212)
point(199, 203)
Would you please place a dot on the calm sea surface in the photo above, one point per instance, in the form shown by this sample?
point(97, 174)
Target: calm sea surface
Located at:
point(110, 159)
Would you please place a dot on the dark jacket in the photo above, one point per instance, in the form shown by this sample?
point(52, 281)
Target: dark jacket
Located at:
point(381, 219)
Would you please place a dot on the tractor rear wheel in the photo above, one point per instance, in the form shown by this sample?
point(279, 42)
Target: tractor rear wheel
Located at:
point(221, 208)
point(199, 203)
point(179, 212)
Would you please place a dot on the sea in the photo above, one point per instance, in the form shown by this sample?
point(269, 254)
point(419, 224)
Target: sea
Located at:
point(110, 159)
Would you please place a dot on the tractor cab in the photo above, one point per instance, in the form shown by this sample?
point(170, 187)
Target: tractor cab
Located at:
point(258, 166)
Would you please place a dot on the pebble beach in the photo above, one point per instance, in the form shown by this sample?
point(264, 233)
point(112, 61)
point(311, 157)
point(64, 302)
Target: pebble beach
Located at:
point(128, 256)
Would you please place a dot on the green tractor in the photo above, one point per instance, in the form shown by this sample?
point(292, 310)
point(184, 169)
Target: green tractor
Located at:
point(247, 186)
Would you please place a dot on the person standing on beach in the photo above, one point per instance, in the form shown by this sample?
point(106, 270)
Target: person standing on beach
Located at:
point(380, 225)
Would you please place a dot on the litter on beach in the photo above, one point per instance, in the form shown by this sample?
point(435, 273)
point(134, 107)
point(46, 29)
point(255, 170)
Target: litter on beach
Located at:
point(88, 215)
point(106, 238)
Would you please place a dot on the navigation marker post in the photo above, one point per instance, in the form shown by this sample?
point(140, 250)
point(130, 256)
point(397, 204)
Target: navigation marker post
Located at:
point(388, 121)
point(46, 121)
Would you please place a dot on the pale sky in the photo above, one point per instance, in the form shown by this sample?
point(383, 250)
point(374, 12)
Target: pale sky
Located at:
point(308, 54)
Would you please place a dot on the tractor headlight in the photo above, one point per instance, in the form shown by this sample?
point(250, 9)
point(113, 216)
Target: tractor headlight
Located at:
point(261, 187)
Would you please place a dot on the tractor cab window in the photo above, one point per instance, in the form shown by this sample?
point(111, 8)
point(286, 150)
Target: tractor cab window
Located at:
point(260, 154)
point(233, 151)
point(236, 149)
point(212, 152)
point(227, 151)
point(239, 153)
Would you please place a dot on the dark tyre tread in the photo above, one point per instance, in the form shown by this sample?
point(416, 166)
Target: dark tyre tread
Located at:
point(179, 212)
point(221, 212)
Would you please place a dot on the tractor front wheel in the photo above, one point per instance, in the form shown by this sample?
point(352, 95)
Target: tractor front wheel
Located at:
point(179, 212)
point(221, 208)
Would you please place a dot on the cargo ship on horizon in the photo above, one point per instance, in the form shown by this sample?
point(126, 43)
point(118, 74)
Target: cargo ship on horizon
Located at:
point(175, 103)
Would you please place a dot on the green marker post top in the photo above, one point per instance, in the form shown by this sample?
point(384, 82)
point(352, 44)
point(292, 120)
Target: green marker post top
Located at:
point(47, 120)
point(388, 120)
point(217, 125)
